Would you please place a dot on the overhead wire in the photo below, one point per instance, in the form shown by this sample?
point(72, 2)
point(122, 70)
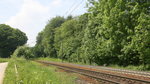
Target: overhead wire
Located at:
point(76, 7)
point(66, 13)
point(73, 8)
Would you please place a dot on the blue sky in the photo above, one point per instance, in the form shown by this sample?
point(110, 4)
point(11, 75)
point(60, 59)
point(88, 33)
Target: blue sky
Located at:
point(31, 16)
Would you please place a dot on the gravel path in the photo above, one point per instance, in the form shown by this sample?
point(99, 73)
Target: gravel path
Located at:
point(2, 71)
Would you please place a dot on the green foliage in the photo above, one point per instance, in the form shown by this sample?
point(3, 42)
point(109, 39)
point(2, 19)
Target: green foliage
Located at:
point(10, 38)
point(45, 39)
point(68, 38)
point(68, 41)
point(23, 51)
point(112, 32)
point(55, 22)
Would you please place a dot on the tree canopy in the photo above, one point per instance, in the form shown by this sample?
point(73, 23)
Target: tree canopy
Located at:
point(10, 39)
point(112, 32)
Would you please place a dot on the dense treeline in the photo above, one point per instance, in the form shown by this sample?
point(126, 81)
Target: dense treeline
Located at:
point(10, 39)
point(119, 32)
point(112, 32)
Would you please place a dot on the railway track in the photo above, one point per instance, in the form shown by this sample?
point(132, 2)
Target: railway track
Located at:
point(131, 72)
point(105, 75)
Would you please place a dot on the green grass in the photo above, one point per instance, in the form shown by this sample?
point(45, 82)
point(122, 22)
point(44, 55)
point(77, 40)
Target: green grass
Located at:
point(64, 61)
point(30, 72)
point(130, 67)
point(4, 60)
point(50, 59)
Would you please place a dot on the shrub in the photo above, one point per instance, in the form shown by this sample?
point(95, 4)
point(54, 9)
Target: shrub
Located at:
point(23, 51)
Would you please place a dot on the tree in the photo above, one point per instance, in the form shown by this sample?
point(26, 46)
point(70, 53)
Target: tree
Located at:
point(45, 39)
point(65, 39)
point(38, 49)
point(112, 32)
point(141, 39)
point(10, 38)
point(68, 38)
point(24, 51)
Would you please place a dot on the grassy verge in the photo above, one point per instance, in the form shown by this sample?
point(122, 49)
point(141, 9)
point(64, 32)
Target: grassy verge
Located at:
point(64, 61)
point(130, 67)
point(50, 59)
point(30, 72)
point(4, 60)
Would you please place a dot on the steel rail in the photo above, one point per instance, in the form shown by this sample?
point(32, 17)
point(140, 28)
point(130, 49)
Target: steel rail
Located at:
point(142, 73)
point(92, 76)
point(131, 72)
point(111, 78)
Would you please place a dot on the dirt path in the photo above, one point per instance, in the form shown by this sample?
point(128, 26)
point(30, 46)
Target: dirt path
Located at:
point(2, 71)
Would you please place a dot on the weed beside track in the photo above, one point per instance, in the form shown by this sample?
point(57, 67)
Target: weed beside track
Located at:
point(30, 72)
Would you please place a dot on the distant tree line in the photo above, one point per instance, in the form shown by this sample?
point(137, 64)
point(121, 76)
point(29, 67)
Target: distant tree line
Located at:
point(10, 39)
point(111, 32)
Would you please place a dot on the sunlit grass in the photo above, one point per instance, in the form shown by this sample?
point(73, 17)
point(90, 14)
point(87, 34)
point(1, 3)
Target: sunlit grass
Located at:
point(129, 67)
point(30, 72)
point(4, 60)
point(50, 59)
point(64, 61)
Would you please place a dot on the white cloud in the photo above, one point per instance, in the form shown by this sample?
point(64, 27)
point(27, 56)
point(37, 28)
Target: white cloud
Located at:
point(56, 2)
point(30, 19)
point(33, 15)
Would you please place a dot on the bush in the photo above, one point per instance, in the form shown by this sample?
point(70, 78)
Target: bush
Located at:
point(23, 51)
